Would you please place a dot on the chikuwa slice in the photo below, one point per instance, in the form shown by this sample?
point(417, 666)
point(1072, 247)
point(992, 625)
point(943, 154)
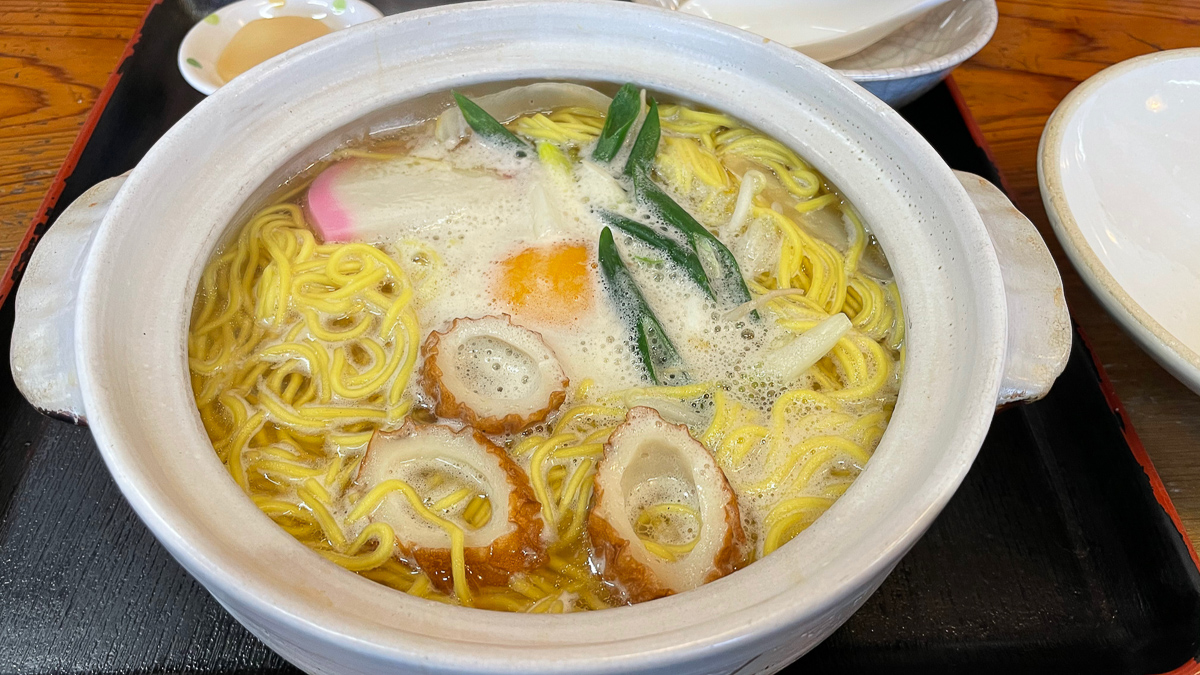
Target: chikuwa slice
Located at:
point(664, 519)
point(465, 480)
point(492, 374)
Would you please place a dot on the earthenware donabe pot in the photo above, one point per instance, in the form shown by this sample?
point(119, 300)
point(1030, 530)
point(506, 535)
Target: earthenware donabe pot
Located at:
point(104, 308)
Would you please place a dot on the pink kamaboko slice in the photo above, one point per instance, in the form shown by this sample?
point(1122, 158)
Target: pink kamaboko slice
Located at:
point(385, 200)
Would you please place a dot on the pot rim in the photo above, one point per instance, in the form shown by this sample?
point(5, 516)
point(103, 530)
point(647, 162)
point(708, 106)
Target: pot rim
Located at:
point(715, 633)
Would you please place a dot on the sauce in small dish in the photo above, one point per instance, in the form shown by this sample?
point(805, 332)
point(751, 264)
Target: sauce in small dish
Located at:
point(261, 39)
point(242, 35)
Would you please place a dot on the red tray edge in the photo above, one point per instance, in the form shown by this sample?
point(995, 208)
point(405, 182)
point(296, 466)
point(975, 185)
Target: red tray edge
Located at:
point(21, 258)
point(1192, 666)
point(21, 255)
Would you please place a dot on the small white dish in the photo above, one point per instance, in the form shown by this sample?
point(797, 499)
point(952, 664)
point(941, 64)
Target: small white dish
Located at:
point(914, 57)
point(1119, 170)
point(203, 44)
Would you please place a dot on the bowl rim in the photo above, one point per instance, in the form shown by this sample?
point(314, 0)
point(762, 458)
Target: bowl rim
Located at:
point(1161, 344)
point(949, 468)
point(938, 63)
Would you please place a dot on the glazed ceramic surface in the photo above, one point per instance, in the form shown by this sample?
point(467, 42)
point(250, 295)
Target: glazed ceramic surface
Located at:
point(912, 58)
point(823, 29)
point(202, 46)
point(1120, 177)
point(42, 352)
point(916, 56)
point(204, 176)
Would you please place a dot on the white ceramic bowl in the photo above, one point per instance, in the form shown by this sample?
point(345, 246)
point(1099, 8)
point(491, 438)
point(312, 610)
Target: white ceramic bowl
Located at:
point(203, 44)
point(1119, 169)
point(912, 59)
point(823, 29)
point(977, 333)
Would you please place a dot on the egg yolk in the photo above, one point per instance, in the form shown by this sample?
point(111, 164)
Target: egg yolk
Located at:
point(548, 284)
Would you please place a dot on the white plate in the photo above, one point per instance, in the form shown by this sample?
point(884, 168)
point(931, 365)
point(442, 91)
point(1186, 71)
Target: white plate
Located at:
point(203, 44)
point(914, 57)
point(823, 29)
point(1119, 168)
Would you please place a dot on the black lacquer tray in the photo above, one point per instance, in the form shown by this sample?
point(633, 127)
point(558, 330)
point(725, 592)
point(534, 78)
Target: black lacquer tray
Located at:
point(1061, 552)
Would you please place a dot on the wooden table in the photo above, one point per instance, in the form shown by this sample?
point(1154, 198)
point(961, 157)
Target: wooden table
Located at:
point(1041, 50)
point(55, 57)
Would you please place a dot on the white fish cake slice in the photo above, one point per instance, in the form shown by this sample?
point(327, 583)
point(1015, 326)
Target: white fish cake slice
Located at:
point(652, 465)
point(435, 459)
point(492, 374)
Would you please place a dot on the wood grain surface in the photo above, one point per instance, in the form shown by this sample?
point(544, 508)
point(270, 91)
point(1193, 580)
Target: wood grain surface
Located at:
point(1042, 49)
point(56, 56)
point(54, 59)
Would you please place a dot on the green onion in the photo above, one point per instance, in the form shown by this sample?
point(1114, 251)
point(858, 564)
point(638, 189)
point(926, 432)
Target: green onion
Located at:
point(680, 255)
point(722, 269)
point(488, 127)
point(622, 113)
point(659, 357)
point(645, 146)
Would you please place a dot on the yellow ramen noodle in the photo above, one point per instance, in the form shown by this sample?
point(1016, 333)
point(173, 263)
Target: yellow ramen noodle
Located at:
point(302, 349)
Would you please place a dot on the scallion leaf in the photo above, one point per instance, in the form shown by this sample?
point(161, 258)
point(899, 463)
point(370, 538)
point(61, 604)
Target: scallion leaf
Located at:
point(661, 360)
point(725, 276)
point(488, 127)
point(622, 113)
point(682, 256)
point(645, 146)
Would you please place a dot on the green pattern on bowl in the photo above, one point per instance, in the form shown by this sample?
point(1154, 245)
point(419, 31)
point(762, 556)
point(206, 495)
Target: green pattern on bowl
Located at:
point(213, 19)
point(194, 63)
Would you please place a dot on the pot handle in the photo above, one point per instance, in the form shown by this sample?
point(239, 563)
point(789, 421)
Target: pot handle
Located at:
point(1039, 326)
point(42, 355)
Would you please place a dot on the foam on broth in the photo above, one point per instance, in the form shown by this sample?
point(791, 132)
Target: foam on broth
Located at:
point(788, 448)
